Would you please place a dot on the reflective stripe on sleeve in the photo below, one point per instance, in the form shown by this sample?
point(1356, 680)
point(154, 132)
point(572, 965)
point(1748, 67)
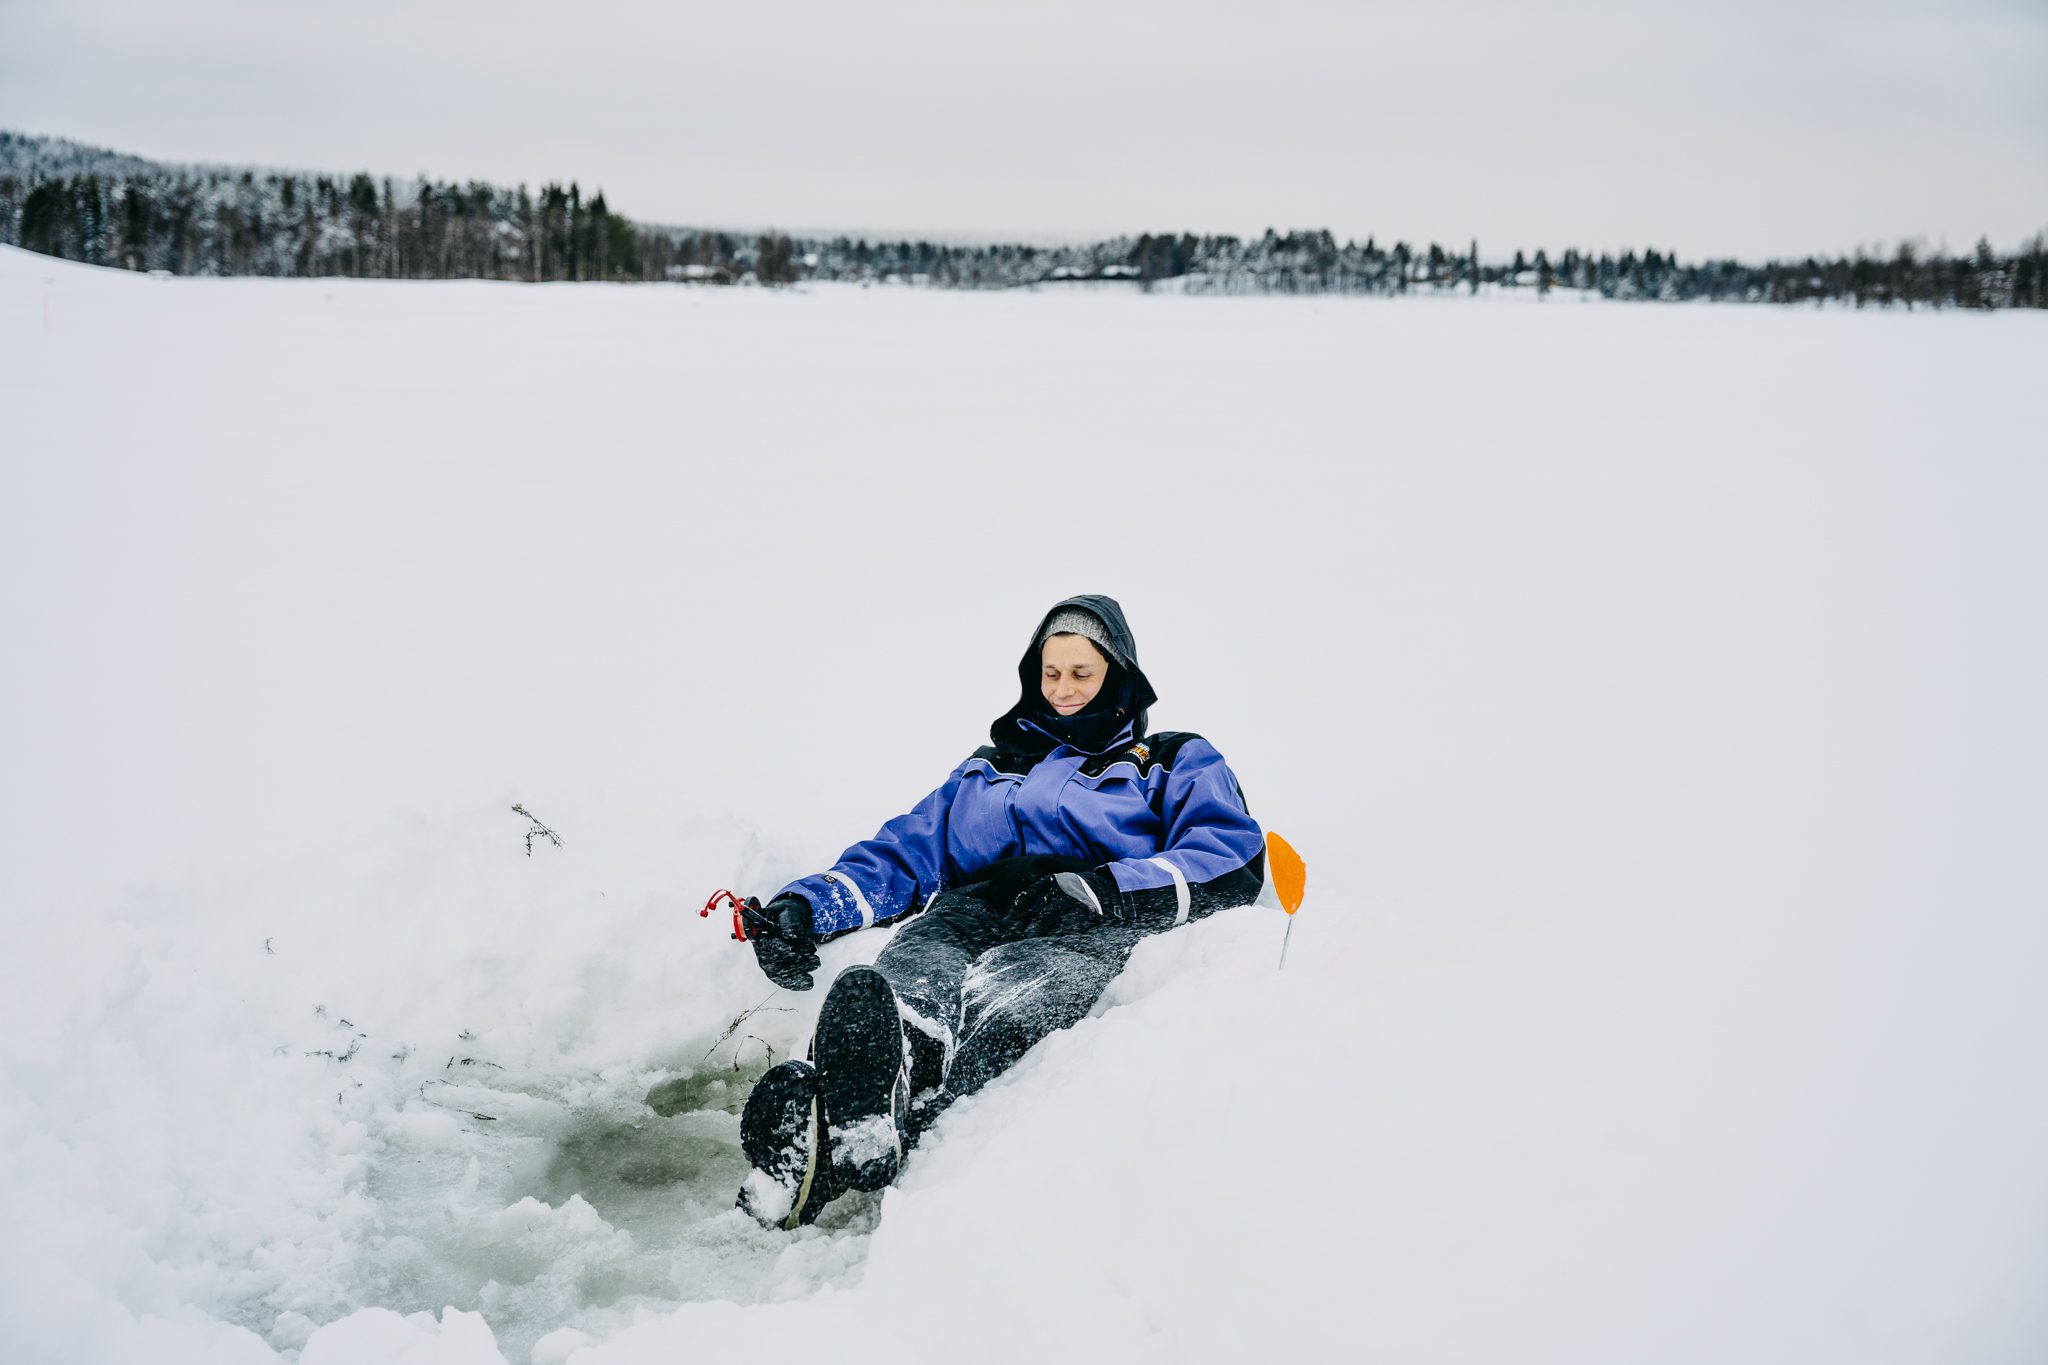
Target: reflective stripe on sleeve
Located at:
point(1180, 891)
point(867, 912)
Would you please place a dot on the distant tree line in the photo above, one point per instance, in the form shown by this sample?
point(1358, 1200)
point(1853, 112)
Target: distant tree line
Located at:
point(227, 223)
point(1315, 263)
point(85, 205)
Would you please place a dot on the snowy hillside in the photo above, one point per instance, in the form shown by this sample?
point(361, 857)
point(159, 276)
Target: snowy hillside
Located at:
point(1653, 691)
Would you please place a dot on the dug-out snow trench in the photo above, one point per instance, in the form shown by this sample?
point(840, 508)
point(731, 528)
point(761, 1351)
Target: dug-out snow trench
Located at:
point(546, 1202)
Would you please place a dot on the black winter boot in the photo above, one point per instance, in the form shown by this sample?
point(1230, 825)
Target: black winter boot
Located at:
point(781, 1131)
point(863, 1069)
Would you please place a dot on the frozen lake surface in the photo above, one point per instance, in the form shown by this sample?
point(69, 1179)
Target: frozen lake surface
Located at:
point(1653, 690)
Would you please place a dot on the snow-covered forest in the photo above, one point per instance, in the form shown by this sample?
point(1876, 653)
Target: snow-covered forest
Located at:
point(105, 208)
point(1653, 692)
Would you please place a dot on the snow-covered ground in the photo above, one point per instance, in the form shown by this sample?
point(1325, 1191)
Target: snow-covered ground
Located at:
point(1655, 693)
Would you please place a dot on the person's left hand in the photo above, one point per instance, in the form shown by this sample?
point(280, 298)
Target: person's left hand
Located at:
point(1067, 903)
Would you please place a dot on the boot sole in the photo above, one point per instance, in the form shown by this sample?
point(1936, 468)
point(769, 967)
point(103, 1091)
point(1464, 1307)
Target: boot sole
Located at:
point(862, 1085)
point(782, 1111)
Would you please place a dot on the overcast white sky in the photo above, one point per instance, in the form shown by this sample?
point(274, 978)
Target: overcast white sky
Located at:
point(1728, 127)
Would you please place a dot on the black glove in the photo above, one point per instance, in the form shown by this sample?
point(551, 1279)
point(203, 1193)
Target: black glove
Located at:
point(785, 941)
point(1067, 903)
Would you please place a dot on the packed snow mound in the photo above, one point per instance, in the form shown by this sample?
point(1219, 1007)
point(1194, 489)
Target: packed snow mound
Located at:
point(1647, 688)
point(428, 1089)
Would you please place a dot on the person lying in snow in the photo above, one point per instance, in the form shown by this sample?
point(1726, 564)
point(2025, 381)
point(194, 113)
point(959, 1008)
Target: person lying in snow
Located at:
point(1038, 865)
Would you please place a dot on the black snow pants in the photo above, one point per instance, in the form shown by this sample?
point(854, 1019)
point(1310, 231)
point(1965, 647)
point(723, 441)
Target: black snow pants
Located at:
point(976, 989)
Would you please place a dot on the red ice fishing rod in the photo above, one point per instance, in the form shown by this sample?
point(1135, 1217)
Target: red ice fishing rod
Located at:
point(745, 914)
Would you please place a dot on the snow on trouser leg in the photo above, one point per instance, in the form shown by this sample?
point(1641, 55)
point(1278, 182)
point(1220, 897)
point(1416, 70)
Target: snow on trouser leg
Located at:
point(926, 964)
point(781, 1132)
point(1021, 992)
point(928, 960)
point(863, 1079)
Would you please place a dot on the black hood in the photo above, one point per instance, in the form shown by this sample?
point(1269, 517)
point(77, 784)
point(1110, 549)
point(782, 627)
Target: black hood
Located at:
point(1125, 698)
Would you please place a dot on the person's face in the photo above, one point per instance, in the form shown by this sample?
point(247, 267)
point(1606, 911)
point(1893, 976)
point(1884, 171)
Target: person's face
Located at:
point(1070, 672)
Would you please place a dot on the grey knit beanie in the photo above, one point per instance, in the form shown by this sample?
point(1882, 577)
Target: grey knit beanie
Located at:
point(1087, 625)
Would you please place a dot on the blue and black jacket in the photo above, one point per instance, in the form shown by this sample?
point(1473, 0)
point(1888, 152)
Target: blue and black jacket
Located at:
point(1161, 814)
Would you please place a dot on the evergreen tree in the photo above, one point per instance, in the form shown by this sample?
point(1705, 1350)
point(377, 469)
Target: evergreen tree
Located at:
point(775, 259)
